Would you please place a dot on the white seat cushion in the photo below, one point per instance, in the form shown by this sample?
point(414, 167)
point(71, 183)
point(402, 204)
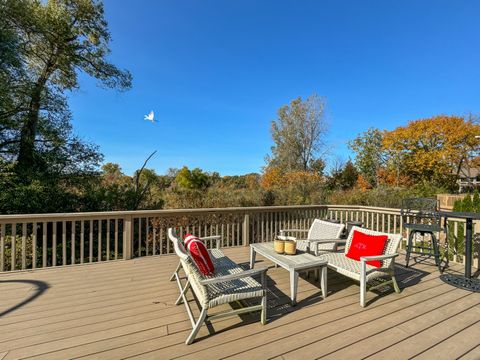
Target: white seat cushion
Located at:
point(225, 292)
point(351, 268)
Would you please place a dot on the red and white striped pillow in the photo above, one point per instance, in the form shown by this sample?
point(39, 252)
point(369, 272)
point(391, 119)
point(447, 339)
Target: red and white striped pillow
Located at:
point(198, 252)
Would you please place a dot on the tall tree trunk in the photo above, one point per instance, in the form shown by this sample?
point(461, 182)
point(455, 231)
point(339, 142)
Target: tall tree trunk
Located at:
point(26, 154)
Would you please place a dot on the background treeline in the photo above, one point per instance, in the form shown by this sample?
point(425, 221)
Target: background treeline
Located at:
point(45, 167)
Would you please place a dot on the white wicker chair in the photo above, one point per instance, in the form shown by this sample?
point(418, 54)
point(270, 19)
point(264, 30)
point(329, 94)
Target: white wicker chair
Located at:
point(319, 230)
point(229, 284)
point(360, 270)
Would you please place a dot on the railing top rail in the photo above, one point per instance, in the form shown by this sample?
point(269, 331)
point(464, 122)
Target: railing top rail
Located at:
point(366, 208)
point(167, 212)
point(160, 212)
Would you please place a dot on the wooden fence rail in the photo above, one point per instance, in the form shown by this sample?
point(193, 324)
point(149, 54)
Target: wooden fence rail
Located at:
point(49, 240)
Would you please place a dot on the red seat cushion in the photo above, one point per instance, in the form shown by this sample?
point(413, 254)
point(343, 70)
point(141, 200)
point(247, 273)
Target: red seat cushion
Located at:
point(199, 253)
point(367, 245)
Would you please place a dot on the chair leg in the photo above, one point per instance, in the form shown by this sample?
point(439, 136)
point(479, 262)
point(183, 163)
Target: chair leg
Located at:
point(409, 248)
point(363, 283)
point(395, 285)
point(436, 251)
point(196, 328)
point(263, 315)
point(323, 281)
point(182, 293)
point(176, 271)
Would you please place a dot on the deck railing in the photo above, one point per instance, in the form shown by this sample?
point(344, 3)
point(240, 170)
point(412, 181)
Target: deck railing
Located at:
point(49, 240)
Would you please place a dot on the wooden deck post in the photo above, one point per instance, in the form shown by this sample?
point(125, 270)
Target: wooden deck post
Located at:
point(127, 237)
point(246, 229)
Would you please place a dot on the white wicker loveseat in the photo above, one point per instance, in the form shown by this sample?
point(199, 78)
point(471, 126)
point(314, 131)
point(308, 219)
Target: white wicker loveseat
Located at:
point(231, 283)
point(360, 270)
point(319, 230)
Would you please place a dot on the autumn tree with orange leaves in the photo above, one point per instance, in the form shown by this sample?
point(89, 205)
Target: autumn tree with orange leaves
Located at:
point(432, 150)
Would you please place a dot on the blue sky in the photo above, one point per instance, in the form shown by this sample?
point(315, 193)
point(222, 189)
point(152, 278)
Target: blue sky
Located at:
point(215, 73)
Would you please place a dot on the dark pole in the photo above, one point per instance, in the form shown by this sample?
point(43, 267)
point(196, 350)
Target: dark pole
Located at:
point(468, 248)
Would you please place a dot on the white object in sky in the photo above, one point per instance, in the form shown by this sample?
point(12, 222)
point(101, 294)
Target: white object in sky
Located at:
point(150, 116)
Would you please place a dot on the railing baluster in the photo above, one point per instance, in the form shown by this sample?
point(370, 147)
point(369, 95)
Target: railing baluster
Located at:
point(44, 245)
point(238, 233)
point(64, 243)
point(99, 240)
point(154, 245)
point(13, 260)
point(54, 243)
point(73, 245)
point(24, 246)
point(34, 245)
point(90, 245)
point(2, 248)
point(116, 239)
point(147, 235)
point(108, 240)
point(82, 241)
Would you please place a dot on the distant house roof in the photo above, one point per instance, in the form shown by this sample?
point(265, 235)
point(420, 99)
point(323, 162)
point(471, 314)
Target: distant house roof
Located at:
point(472, 172)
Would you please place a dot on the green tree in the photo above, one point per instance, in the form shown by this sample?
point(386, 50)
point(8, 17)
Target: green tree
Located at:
point(298, 134)
point(55, 41)
point(194, 179)
point(343, 176)
point(369, 154)
point(349, 176)
point(467, 203)
point(318, 166)
point(476, 201)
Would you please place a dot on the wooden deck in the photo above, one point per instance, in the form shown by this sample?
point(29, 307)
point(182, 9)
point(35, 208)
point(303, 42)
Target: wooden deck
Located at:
point(125, 309)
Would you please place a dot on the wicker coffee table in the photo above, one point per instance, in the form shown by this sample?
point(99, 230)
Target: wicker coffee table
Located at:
point(295, 264)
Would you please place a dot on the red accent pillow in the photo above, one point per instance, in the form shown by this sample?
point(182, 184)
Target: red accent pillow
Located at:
point(198, 252)
point(367, 245)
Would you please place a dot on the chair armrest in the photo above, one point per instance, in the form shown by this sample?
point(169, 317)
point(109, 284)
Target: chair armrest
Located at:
point(378, 257)
point(217, 238)
point(284, 237)
point(325, 241)
point(313, 243)
point(211, 237)
point(283, 231)
point(230, 277)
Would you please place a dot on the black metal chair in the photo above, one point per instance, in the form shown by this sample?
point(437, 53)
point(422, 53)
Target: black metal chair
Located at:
point(421, 216)
point(351, 224)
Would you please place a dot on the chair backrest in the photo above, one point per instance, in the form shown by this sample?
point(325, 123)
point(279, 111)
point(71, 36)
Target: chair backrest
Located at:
point(391, 247)
point(194, 275)
point(419, 210)
point(177, 245)
point(322, 229)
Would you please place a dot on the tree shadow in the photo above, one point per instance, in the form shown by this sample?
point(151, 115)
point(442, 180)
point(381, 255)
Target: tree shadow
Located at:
point(40, 288)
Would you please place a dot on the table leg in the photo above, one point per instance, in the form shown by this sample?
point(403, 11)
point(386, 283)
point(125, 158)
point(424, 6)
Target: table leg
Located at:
point(252, 257)
point(293, 286)
point(468, 248)
point(323, 282)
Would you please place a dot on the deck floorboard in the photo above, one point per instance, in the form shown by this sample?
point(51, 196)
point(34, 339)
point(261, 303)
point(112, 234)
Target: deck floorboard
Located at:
point(125, 309)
